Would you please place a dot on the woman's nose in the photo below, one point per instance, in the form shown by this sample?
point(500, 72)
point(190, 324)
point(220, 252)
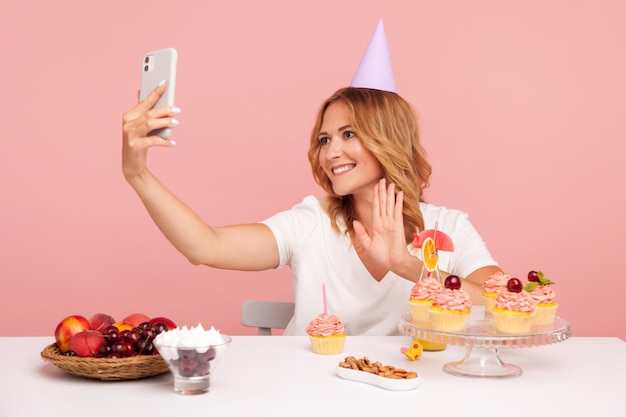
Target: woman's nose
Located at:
point(335, 148)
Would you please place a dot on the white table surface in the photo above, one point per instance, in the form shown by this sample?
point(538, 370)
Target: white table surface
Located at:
point(279, 375)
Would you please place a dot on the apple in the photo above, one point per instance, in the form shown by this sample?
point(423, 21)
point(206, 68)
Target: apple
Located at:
point(169, 323)
point(67, 328)
point(135, 319)
point(87, 343)
point(100, 321)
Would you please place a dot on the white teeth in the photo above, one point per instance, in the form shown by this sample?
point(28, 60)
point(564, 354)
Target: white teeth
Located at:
point(342, 169)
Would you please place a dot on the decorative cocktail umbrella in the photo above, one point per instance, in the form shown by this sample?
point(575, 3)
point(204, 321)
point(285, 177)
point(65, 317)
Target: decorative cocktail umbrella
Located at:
point(442, 241)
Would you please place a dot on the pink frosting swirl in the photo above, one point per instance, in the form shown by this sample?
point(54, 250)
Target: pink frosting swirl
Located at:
point(543, 294)
point(496, 283)
point(325, 326)
point(448, 299)
point(515, 301)
point(426, 289)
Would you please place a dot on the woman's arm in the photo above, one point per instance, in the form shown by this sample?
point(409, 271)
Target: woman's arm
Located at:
point(472, 284)
point(244, 247)
point(386, 244)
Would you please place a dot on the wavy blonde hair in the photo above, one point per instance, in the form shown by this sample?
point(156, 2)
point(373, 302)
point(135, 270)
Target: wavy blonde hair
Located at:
point(387, 127)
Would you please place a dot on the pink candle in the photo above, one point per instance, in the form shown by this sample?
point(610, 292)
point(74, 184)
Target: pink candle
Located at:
point(324, 298)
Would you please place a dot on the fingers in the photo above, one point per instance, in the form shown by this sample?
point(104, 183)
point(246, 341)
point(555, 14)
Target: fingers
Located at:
point(146, 104)
point(386, 202)
point(391, 199)
point(153, 97)
point(361, 234)
point(399, 205)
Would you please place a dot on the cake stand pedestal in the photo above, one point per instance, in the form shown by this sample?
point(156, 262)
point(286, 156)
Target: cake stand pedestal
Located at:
point(483, 342)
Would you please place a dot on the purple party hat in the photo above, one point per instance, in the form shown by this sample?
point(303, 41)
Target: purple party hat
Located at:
point(375, 68)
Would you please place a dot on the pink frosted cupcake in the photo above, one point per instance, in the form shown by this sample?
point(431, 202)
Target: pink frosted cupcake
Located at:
point(514, 309)
point(422, 295)
point(327, 334)
point(541, 290)
point(491, 287)
point(451, 306)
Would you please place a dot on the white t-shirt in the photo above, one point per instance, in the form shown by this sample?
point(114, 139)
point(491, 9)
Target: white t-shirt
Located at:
point(317, 254)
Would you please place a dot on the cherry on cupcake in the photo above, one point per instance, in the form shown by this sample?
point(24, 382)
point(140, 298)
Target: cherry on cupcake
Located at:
point(452, 282)
point(514, 285)
point(533, 276)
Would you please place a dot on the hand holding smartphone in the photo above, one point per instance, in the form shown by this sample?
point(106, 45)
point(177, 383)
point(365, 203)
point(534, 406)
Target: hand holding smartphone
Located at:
point(157, 66)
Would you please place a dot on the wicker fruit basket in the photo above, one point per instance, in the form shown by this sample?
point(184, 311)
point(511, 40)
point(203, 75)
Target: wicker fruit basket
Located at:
point(135, 367)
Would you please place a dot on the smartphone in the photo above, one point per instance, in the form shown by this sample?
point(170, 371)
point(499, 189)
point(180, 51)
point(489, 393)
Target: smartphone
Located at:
point(157, 66)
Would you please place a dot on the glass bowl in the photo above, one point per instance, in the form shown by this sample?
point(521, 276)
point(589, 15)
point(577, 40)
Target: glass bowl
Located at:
point(192, 367)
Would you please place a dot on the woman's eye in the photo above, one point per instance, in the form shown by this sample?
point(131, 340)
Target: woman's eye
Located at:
point(324, 140)
point(348, 134)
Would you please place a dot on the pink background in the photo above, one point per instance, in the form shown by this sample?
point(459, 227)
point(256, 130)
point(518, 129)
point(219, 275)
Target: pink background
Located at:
point(521, 107)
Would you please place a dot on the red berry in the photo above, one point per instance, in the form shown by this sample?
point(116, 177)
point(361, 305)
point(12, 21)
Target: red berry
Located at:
point(514, 285)
point(452, 282)
point(533, 276)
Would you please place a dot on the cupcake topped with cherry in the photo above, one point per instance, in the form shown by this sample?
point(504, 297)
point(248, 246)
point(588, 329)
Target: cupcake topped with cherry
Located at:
point(541, 289)
point(514, 308)
point(451, 306)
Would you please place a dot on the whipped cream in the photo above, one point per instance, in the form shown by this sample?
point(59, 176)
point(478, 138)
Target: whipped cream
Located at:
point(448, 299)
point(325, 325)
point(515, 301)
point(187, 338)
point(495, 283)
point(543, 294)
point(426, 289)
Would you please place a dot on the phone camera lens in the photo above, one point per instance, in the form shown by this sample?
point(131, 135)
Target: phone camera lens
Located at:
point(145, 68)
point(147, 60)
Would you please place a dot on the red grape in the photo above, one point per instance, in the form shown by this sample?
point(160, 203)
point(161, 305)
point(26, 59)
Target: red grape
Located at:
point(144, 325)
point(103, 351)
point(209, 355)
point(203, 368)
point(187, 354)
point(186, 367)
point(160, 327)
point(144, 347)
point(123, 348)
point(134, 336)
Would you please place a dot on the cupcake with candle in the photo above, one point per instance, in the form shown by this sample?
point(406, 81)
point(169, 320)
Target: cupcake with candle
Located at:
point(540, 289)
point(326, 331)
point(327, 334)
point(514, 309)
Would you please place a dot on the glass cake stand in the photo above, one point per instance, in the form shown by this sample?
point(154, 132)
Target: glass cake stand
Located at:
point(483, 342)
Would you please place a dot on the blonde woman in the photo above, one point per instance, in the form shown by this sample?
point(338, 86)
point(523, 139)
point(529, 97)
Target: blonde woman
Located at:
point(366, 154)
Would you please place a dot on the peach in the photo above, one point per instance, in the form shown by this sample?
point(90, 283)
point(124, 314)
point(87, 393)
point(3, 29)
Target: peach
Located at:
point(87, 343)
point(100, 321)
point(123, 326)
point(169, 323)
point(67, 328)
point(135, 319)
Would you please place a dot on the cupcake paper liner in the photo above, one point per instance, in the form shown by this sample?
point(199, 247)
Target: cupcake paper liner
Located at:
point(327, 345)
point(489, 301)
point(545, 314)
point(512, 322)
point(448, 320)
point(419, 310)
